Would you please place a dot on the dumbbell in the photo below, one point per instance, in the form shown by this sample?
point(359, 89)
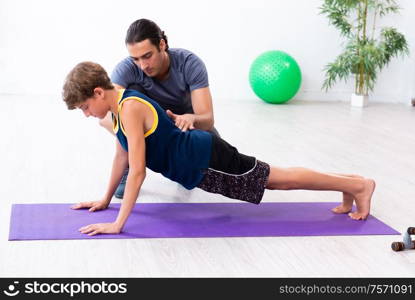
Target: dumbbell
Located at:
point(407, 243)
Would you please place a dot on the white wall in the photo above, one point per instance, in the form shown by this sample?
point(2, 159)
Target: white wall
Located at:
point(40, 41)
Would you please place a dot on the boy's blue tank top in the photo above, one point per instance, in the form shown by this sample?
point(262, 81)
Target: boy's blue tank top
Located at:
point(179, 156)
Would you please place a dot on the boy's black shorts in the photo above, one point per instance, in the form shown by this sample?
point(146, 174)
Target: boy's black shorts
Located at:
point(234, 174)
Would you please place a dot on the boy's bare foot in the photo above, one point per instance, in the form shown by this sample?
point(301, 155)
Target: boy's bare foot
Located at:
point(348, 199)
point(363, 201)
point(346, 205)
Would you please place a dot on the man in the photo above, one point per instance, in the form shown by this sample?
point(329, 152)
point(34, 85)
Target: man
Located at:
point(176, 77)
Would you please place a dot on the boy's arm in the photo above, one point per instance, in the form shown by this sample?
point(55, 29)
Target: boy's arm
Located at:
point(133, 122)
point(119, 164)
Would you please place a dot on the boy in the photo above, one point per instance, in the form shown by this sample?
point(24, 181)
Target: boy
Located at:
point(147, 137)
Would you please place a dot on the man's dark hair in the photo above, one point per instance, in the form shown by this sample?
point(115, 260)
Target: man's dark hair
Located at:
point(143, 29)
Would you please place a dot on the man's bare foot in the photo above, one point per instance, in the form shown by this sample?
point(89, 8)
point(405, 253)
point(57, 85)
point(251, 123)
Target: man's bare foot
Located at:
point(363, 201)
point(348, 199)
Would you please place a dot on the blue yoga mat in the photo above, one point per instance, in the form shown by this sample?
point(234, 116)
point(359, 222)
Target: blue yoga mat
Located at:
point(192, 220)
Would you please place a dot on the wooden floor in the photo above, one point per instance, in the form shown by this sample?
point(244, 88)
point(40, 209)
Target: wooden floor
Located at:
point(50, 155)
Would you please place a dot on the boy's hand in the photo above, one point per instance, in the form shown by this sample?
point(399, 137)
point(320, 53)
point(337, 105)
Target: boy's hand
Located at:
point(92, 205)
point(94, 229)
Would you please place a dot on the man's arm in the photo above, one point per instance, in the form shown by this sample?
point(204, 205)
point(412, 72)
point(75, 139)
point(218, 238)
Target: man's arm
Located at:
point(202, 118)
point(202, 108)
point(120, 87)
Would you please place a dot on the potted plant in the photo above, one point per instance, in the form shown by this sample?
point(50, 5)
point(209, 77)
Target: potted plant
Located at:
point(368, 49)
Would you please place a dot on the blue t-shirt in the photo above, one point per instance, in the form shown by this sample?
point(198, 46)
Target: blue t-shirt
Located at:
point(187, 73)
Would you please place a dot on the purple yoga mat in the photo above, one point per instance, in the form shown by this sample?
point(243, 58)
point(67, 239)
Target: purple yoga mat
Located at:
point(191, 220)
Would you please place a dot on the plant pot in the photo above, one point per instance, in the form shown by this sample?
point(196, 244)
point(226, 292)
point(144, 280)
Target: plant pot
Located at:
point(359, 100)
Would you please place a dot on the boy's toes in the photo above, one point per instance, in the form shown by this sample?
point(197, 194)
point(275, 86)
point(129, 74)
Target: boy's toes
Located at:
point(340, 209)
point(335, 210)
point(358, 216)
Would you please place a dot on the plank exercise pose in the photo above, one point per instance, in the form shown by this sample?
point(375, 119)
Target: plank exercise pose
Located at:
point(147, 137)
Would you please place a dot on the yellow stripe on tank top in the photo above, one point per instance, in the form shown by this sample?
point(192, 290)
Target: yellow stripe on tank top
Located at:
point(115, 118)
point(156, 118)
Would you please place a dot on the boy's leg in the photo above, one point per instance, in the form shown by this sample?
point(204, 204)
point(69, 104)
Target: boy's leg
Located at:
point(348, 199)
point(300, 178)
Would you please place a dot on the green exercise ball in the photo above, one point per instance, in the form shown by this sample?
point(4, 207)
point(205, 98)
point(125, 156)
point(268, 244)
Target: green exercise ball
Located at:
point(275, 77)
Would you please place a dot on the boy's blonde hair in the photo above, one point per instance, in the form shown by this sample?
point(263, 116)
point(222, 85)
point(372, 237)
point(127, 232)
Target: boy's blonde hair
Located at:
point(81, 82)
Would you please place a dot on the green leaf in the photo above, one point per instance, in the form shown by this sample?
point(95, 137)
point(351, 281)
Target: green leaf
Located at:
point(362, 56)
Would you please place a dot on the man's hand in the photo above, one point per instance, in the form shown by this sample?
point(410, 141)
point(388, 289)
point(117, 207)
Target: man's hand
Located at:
point(183, 122)
point(92, 205)
point(94, 229)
